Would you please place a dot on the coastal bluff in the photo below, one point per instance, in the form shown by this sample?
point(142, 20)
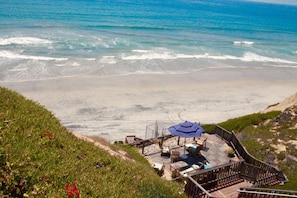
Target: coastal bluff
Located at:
point(281, 106)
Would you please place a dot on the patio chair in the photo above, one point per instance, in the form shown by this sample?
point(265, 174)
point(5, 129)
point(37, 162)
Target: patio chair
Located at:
point(174, 157)
point(201, 141)
point(195, 150)
point(159, 168)
point(165, 150)
point(204, 143)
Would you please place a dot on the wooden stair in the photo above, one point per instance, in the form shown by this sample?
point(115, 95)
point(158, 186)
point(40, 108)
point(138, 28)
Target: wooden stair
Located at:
point(230, 191)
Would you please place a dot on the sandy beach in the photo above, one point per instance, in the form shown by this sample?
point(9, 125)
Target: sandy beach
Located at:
point(115, 106)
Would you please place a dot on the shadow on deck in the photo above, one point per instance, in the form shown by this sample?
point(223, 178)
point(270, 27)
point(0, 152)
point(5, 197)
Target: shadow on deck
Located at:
point(223, 173)
point(214, 153)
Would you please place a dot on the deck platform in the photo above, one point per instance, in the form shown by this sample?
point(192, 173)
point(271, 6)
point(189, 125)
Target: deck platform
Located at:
point(214, 152)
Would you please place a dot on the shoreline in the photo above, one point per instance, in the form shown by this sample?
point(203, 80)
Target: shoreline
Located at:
point(115, 106)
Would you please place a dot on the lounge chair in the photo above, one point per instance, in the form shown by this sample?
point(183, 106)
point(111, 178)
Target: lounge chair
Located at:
point(194, 168)
point(195, 150)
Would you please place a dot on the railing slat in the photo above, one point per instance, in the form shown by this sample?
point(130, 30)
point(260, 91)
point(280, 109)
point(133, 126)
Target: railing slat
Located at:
point(263, 167)
point(199, 184)
point(250, 192)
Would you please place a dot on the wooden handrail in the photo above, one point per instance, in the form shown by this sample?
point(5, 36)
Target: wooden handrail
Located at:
point(204, 193)
point(264, 191)
point(249, 168)
point(232, 140)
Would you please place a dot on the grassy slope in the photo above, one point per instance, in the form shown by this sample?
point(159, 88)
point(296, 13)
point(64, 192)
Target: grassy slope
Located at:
point(45, 166)
point(34, 163)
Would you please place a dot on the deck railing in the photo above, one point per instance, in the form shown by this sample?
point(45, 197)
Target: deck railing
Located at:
point(248, 168)
point(195, 190)
point(265, 192)
point(213, 179)
point(256, 171)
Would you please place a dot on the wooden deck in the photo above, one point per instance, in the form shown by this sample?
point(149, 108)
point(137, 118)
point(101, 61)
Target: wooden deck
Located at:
point(225, 176)
point(230, 191)
point(215, 153)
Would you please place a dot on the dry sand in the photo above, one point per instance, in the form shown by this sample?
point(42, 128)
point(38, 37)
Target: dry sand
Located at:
point(115, 106)
point(281, 106)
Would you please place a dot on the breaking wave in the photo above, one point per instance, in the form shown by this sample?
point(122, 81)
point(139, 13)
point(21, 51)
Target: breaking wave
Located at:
point(14, 55)
point(246, 43)
point(23, 41)
point(168, 55)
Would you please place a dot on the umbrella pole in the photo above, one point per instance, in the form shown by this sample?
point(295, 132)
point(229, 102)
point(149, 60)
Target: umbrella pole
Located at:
point(185, 147)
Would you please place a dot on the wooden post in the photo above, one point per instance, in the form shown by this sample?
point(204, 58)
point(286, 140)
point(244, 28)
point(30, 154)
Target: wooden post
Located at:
point(142, 147)
point(156, 130)
point(178, 140)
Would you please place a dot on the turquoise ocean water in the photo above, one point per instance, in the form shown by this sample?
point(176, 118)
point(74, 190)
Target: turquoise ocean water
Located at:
point(50, 39)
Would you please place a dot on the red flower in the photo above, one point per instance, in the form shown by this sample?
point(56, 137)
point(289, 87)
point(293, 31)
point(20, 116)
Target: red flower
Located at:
point(70, 193)
point(49, 135)
point(72, 190)
point(21, 184)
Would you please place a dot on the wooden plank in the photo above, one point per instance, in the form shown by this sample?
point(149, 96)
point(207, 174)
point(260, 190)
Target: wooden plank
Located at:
point(230, 191)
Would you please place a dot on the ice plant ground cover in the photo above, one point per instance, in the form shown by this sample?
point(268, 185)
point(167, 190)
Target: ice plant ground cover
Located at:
point(39, 157)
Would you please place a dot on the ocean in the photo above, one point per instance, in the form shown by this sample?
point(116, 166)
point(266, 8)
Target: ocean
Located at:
point(50, 39)
point(112, 68)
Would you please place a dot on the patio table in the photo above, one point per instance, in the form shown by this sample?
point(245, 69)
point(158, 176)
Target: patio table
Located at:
point(176, 166)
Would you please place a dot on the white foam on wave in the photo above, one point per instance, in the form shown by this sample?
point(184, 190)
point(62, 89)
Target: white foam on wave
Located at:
point(90, 59)
point(13, 55)
point(108, 60)
point(23, 41)
point(168, 55)
point(149, 55)
point(112, 43)
point(141, 51)
point(248, 57)
point(75, 64)
point(246, 43)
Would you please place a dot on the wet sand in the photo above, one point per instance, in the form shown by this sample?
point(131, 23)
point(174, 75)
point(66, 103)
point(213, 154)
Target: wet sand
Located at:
point(115, 106)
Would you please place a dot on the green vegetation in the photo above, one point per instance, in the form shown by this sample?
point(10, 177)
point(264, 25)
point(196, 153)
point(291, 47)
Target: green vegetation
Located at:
point(40, 158)
point(261, 133)
point(238, 124)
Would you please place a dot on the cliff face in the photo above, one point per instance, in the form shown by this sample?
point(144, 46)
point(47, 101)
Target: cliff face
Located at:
point(282, 106)
point(289, 115)
point(289, 111)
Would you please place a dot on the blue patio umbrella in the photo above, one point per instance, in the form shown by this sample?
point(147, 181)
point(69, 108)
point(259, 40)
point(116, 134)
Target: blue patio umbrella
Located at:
point(186, 129)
